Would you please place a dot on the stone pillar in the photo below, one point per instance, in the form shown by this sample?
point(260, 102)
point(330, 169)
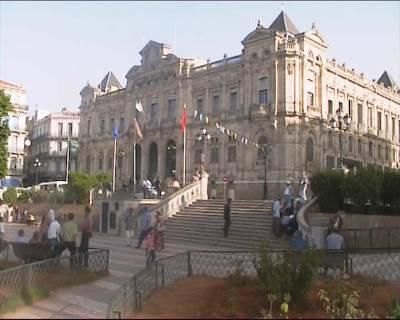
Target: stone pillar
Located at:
point(203, 186)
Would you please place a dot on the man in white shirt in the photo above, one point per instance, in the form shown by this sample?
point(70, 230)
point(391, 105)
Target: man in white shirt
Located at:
point(276, 214)
point(335, 241)
point(53, 233)
point(288, 193)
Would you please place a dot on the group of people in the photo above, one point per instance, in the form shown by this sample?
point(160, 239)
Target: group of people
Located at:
point(284, 214)
point(12, 213)
point(62, 234)
point(151, 230)
point(151, 189)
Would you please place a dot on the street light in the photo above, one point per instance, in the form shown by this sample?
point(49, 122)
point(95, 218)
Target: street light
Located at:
point(37, 165)
point(266, 149)
point(342, 123)
point(203, 137)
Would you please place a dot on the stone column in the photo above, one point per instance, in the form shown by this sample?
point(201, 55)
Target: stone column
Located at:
point(203, 186)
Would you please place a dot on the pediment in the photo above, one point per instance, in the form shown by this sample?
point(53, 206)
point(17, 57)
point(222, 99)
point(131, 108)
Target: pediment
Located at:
point(317, 37)
point(257, 34)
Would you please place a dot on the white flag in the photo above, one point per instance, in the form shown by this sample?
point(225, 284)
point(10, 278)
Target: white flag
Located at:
point(139, 106)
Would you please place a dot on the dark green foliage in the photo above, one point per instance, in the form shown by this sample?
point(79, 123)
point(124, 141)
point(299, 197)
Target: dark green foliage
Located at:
point(10, 196)
point(24, 196)
point(328, 185)
point(394, 309)
point(290, 273)
point(391, 187)
point(5, 108)
point(40, 196)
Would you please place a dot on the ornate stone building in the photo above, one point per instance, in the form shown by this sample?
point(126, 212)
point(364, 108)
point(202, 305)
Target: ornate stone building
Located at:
point(282, 90)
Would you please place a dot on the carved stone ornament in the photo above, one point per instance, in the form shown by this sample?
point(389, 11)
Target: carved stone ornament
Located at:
point(290, 68)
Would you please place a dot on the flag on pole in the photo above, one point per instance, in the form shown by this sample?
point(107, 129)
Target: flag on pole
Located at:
point(138, 132)
point(115, 133)
point(139, 106)
point(183, 119)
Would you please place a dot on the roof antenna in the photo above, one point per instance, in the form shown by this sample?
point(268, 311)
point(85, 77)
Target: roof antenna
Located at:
point(283, 6)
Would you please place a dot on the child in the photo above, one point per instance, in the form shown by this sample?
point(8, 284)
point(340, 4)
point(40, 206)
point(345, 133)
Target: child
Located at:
point(150, 252)
point(2, 231)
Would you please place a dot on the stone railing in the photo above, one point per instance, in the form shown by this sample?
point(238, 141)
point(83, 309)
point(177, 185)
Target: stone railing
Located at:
point(182, 198)
point(304, 223)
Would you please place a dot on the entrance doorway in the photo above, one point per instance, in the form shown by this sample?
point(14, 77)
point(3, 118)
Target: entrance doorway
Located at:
point(170, 159)
point(153, 160)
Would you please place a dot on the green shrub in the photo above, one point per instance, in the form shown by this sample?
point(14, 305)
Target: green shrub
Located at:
point(290, 273)
point(24, 196)
point(56, 197)
point(40, 196)
point(394, 309)
point(10, 196)
point(328, 185)
point(391, 187)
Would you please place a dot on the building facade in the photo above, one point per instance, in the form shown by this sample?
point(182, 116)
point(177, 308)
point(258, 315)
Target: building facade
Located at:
point(281, 91)
point(16, 141)
point(50, 137)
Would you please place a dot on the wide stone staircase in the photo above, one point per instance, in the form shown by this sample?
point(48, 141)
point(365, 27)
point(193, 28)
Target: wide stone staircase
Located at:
point(202, 222)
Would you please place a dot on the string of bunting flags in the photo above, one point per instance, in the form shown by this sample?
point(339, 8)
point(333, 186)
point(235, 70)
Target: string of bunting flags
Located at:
point(224, 130)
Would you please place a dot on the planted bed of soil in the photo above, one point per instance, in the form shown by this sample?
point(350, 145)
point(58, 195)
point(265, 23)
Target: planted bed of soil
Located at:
point(206, 297)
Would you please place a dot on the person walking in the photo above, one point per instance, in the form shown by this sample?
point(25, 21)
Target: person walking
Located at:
point(160, 228)
point(288, 193)
point(129, 227)
point(150, 252)
point(144, 224)
point(157, 186)
point(43, 228)
point(86, 229)
point(69, 235)
point(53, 233)
point(276, 215)
point(2, 229)
point(227, 217)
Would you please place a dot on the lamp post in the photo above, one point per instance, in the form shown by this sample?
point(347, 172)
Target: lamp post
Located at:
point(203, 137)
point(342, 123)
point(121, 155)
point(266, 148)
point(37, 165)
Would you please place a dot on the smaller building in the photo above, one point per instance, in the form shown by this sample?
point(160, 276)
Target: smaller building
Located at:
point(18, 133)
point(51, 135)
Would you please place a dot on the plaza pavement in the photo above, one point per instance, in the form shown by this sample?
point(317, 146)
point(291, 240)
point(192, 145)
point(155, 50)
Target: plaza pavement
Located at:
point(91, 300)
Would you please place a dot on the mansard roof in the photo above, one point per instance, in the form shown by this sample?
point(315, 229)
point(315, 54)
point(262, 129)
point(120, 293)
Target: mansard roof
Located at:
point(387, 80)
point(109, 81)
point(283, 23)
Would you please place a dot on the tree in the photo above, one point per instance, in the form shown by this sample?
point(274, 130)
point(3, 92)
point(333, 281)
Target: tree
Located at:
point(5, 108)
point(10, 196)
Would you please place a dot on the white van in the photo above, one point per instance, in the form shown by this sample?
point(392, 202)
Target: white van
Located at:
point(52, 185)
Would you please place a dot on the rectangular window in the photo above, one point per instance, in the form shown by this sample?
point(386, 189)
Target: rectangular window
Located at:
point(153, 112)
point(101, 163)
point(58, 166)
point(263, 96)
point(70, 129)
point(88, 164)
point(120, 162)
point(89, 125)
point(112, 125)
point(214, 155)
point(197, 156)
point(341, 106)
point(102, 125)
point(370, 117)
point(215, 104)
point(59, 146)
point(233, 100)
point(359, 146)
point(310, 99)
point(379, 120)
point(386, 123)
point(393, 128)
point(350, 109)
point(121, 128)
point(60, 129)
point(330, 162)
point(199, 105)
point(231, 153)
point(330, 107)
point(360, 113)
point(171, 111)
point(110, 163)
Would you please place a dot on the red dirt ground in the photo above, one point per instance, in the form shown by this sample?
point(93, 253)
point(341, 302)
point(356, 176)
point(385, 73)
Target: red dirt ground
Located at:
point(203, 297)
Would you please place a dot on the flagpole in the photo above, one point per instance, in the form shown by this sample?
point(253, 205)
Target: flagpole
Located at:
point(184, 156)
point(67, 171)
point(114, 164)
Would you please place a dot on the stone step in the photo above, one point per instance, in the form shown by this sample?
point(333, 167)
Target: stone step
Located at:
point(233, 211)
point(239, 232)
point(207, 224)
point(217, 217)
point(215, 205)
point(235, 201)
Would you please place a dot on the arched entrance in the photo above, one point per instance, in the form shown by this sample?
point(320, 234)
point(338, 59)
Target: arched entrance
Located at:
point(170, 159)
point(138, 162)
point(153, 160)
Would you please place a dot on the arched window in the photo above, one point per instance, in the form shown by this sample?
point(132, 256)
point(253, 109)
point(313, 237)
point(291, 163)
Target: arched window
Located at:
point(387, 153)
point(359, 146)
point(330, 139)
point(370, 149)
point(310, 150)
point(261, 141)
point(380, 151)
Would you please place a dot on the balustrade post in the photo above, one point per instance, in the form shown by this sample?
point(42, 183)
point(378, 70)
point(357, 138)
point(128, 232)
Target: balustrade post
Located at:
point(190, 271)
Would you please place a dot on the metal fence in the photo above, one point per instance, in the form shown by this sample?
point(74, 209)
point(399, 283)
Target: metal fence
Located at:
point(128, 300)
point(388, 237)
point(50, 274)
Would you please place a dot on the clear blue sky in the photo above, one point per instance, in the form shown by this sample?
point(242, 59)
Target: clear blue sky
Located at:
point(53, 48)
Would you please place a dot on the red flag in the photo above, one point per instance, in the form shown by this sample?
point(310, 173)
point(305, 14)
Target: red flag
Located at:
point(137, 129)
point(183, 119)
